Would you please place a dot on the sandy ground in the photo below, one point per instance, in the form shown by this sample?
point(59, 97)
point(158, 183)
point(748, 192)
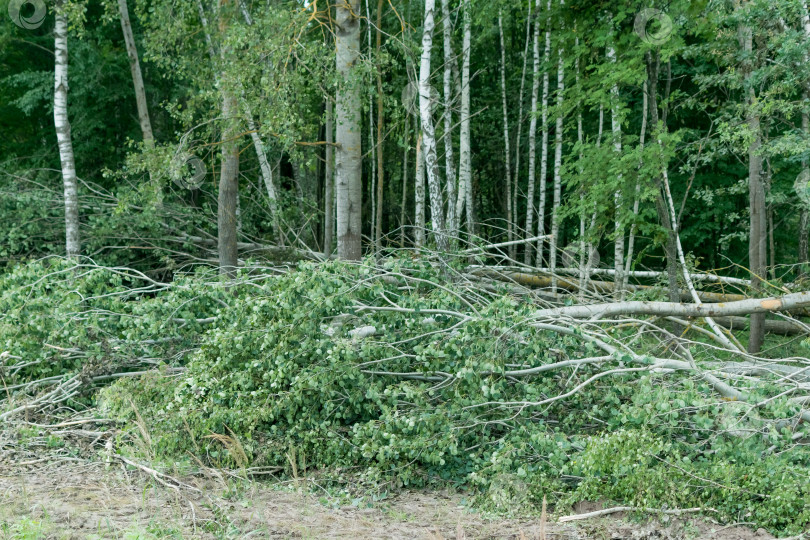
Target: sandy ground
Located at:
point(84, 499)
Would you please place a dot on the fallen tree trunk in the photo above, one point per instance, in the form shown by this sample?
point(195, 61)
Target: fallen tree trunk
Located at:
point(782, 328)
point(723, 309)
point(639, 274)
point(542, 281)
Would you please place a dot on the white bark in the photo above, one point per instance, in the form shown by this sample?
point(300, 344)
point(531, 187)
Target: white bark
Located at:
point(527, 256)
point(63, 135)
point(541, 205)
point(449, 160)
point(616, 129)
point(507, 152)
point(137, 77)
point(516, 182)
point(465, 164)
point(558, 140)
point(741, 307)
point(348, 158)
point(405, 171)
point(419, 194)
point(428, 130)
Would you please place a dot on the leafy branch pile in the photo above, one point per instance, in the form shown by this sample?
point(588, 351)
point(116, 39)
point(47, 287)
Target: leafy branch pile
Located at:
point(409, 373)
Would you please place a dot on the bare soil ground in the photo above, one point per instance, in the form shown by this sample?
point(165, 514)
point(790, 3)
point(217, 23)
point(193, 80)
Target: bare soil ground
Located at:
point(86, 499)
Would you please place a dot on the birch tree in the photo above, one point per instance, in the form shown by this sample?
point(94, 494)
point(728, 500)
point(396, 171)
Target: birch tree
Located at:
point(616, 129)
point(428, 130)
point(380, 126)
point(507, 153)
point(558, 142)
point(63, 134)
point(541, 205)
point(527, 256)
point(465, 164)
point(449, 159)
point(348, 157)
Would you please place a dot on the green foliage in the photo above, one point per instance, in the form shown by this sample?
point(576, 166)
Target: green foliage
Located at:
point(279, 379)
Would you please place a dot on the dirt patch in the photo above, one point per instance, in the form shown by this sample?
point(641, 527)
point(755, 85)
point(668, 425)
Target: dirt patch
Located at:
point(85, 499)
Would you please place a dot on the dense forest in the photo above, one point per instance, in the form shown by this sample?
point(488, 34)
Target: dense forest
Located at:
point(539, 251)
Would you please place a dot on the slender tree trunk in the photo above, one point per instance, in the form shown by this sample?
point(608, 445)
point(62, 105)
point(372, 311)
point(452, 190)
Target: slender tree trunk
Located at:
point(329, 180)
point(428, 130)
point(449, 159)
point(63, 136)
point(541, 205)
point(616, 128)
point(228, 189)
point(661, 208)
point(137, 77)
point(804, 216)
point(516, 183)
point(380, 120)
point(757, 241)
point(558, 141)
point(419, 194)
point(465, 195)
point(348, 157)
point(527, 256)
point(632, 239)
point(507, 152)
point(405, 172)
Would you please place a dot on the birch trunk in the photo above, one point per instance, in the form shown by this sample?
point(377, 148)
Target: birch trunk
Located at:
point(449, 159)
point(137, 77)
point(516, 183)
point(616, 129)
point(419, 195)
point(63, 136)
point(465, 195)
point(527, 256)
point(507, 152)
point(348, 157)
point(329, 180)
point(428, 130)
point(541, 205)
point(558, 141)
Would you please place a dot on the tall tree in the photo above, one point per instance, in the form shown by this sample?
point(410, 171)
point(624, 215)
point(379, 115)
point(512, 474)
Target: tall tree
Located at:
point(348, 155)
point(449, 160)
point(757, 239)
point(465, 195)
point(507, 153)
point(558, 143)
point(63, 135)
point(380, 125)
point(137, 77)
point(527, 256)
point(428, 130)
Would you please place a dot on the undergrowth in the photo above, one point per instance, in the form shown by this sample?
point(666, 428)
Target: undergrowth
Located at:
point(275, 376)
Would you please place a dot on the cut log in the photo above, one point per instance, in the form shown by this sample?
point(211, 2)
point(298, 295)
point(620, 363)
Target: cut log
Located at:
point(723, 309)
